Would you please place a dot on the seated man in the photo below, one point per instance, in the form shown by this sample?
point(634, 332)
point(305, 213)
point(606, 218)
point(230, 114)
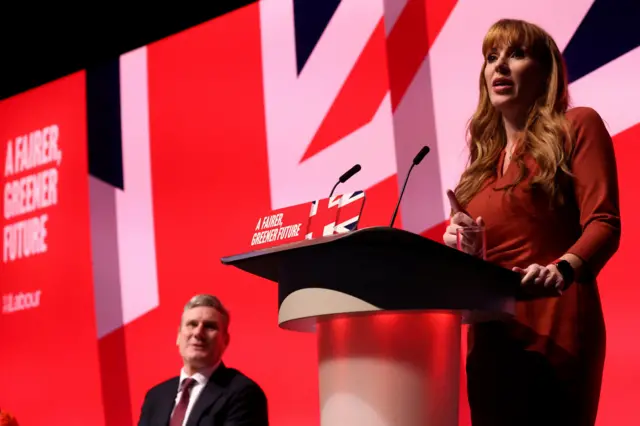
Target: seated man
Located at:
point(206, 392)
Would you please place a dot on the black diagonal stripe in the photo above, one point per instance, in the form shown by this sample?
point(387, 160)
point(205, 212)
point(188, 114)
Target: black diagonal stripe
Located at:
point(610, 29)
point(104, 124)
point(310, 19)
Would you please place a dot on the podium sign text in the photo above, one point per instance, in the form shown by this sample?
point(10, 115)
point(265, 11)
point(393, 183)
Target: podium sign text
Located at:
point(334, 215)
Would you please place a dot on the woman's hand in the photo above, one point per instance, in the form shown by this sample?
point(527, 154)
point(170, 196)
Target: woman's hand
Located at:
point(460, 219)
point(538, 277)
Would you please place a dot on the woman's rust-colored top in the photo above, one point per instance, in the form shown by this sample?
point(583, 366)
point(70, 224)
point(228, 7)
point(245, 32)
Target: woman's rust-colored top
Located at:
point(522, 228)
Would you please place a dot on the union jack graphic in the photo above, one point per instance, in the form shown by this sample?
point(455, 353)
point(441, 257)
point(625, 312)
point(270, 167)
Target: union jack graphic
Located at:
point(340, 82)
point(376, 80)
point(335, 215)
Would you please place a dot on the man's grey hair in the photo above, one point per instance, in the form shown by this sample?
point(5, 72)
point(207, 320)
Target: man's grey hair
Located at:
point(210, 301)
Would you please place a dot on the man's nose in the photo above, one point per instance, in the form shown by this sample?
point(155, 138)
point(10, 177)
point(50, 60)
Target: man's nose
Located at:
point(198, 331)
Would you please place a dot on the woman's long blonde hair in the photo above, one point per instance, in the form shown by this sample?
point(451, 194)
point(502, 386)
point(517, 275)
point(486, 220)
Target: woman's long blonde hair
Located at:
point(546, 136)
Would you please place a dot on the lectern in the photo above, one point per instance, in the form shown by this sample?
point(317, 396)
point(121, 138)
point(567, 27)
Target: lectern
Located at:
point(387, 307)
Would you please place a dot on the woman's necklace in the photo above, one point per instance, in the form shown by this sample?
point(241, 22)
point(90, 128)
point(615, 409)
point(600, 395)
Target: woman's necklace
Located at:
point(510, 152)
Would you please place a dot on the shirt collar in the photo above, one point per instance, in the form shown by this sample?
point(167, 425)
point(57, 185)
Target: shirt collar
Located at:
point(201, 377)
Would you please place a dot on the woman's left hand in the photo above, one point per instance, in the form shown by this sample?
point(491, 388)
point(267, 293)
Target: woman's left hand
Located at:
point(548, 276)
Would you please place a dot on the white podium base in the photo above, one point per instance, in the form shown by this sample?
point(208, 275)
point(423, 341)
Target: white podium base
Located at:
point(389, 369)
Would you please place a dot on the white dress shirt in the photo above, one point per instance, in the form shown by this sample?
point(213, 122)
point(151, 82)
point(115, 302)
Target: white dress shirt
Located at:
point(201, 378)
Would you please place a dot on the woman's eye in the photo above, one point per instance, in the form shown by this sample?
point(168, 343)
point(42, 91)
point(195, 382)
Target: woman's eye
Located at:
point(518, 53)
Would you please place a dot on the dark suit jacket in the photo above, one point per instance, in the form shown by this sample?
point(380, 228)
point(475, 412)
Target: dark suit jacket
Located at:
point(229, 399)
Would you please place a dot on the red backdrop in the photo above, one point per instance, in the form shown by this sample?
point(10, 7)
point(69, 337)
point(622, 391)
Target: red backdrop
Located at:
point(50, 351)
point(212, 173)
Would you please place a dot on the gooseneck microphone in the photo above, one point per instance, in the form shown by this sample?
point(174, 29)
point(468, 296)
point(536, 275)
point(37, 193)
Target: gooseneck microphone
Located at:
point(416, 160)
point(346, 176)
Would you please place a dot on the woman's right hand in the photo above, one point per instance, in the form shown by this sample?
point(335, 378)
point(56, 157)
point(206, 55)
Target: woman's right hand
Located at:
point(457, 221)
point(460, 219)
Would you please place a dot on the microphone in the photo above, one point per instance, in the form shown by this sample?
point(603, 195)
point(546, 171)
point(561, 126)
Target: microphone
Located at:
point(416, 160)
point(346, 176)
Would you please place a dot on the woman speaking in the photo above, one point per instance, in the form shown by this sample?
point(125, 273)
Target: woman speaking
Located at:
point(542, 180)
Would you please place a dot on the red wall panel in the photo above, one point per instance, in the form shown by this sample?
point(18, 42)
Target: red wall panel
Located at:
point(48, 361)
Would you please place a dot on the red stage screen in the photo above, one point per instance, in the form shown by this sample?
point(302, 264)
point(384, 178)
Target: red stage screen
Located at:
point(220, 124)
point(49, 357)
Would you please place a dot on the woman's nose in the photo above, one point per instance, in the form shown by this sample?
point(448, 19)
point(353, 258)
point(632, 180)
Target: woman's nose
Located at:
point(502, 65)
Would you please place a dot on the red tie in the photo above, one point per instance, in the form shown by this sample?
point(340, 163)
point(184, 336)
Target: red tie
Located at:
point(181, 409)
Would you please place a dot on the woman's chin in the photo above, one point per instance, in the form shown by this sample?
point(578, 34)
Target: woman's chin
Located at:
point(501, 102)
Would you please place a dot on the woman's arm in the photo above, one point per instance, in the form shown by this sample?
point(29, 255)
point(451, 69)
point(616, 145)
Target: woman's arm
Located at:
point(595, 183)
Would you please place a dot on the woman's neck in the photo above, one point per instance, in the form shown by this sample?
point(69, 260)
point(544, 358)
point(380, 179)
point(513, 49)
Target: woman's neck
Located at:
point(514, 125)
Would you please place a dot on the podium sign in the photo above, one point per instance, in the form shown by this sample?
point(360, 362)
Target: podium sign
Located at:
point(280, 226)
point(334, 215)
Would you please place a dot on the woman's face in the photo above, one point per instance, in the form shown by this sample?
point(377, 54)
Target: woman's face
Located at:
point(514, 79)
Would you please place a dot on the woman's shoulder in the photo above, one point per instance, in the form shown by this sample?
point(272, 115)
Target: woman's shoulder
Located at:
point(589, 130)
point(586, 121)
point(583, 116)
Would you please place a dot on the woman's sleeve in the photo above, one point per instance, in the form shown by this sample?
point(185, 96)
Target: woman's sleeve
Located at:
point(595, 182)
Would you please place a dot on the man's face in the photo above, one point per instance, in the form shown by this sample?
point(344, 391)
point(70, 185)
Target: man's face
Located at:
point(203, 337)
